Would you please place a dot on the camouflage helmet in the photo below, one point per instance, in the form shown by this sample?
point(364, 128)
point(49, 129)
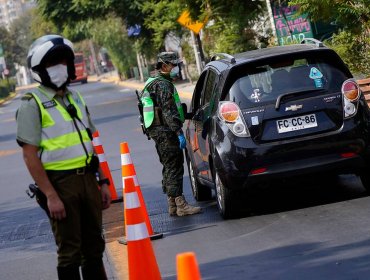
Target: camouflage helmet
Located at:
point(168, 57)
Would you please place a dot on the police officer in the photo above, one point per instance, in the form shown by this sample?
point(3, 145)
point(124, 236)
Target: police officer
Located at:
point(163, 119)
point(54, 130)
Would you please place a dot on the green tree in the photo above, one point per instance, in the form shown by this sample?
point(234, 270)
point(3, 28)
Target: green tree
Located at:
point(233, 23)
point(7, 46)
point(111, 34)
point(352, 42)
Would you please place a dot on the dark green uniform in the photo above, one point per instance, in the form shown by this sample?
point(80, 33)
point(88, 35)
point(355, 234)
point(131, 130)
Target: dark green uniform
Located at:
point(164, 131)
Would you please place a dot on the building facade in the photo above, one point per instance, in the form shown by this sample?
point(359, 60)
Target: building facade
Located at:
point(12, 9)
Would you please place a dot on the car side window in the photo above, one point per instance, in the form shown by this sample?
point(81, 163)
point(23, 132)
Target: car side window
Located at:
point(196, 101)
point(209, 88)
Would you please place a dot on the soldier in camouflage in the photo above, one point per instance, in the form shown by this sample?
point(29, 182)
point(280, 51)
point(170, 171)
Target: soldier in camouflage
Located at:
point(165, 128)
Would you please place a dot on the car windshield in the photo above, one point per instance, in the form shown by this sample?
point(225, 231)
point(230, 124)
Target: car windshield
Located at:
point(264, 82)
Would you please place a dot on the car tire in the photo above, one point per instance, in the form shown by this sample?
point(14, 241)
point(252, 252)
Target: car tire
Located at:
point(200, 192)
point(227, 201)
point(365, 179)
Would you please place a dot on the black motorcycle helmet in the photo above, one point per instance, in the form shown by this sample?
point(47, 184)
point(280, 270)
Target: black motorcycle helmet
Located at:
point(50, 49)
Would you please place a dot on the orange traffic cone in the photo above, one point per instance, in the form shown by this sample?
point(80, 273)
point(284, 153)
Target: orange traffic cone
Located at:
point(128, 171)
point(187, 267)
point(141, 259)
point(104, 166)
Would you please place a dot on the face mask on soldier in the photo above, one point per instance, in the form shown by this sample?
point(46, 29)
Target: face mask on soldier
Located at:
point(58, 74)
point(174, 72)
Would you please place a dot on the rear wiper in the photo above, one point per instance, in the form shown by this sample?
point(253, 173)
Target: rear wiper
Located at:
point(281, 96)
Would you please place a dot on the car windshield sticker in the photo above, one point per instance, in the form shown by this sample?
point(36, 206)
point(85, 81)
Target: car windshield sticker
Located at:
point(254, 120)
point(256, 95)
point(316, 75)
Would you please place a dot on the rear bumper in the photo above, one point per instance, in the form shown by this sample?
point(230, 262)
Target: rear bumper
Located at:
point(309, 166)
point(342, 153)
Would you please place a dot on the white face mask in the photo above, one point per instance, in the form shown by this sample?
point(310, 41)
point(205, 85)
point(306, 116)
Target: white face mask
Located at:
point(174, 72)
point(58, 74)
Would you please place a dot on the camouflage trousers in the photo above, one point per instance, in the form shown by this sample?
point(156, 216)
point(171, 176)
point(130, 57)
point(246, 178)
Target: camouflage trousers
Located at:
point(171, 158)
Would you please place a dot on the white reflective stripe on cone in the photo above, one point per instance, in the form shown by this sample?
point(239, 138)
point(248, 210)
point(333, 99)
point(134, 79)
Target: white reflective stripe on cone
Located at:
point(136, 182)
point(132, 200)
point(102, 158)
point(126, 159)
point(136, 232)
point(96, 141)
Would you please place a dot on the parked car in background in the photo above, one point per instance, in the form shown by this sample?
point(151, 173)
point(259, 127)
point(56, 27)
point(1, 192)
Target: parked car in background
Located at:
point(81, 70)
point(274, 113)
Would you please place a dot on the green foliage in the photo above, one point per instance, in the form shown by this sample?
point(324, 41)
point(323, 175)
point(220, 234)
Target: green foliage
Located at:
point(6, 87)
point(160, 17)
point(354, 52)
point(111, 34)
point(232, 24)
point(352, 42)
point(7, 44)
point(20, 33)
point(351, 15)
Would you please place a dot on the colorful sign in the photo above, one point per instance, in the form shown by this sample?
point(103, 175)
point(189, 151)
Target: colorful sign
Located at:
point(290, 27)
point(186, 21)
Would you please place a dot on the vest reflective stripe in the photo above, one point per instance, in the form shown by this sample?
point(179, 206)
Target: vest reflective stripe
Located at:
point(178, 105)
point(60, 147)
point(148, 105)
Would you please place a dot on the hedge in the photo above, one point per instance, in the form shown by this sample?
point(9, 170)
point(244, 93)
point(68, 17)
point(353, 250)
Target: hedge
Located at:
point(6, 87)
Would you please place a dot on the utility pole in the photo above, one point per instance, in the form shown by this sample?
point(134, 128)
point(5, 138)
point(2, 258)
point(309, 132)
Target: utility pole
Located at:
point(140, 65)
point(271, 17)
point(196, 53)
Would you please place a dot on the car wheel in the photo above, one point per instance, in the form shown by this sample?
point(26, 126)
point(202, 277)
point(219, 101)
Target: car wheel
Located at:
point(227, 202)
point(200, 192)
point(365, 179)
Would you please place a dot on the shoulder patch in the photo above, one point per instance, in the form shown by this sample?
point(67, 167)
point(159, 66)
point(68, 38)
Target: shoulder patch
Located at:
point(49, 104)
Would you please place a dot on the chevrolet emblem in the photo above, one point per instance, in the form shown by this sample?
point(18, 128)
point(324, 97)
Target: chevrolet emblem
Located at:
point(293, 108)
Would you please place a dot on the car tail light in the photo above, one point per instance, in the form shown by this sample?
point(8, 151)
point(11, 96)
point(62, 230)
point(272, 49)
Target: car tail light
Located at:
point(351, 90)
point(258, 171)
point(230, 113)
point(351, 94)
point(348, 155)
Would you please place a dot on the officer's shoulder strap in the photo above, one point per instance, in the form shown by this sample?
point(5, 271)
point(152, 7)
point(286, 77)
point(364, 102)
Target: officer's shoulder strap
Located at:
point(28, 96)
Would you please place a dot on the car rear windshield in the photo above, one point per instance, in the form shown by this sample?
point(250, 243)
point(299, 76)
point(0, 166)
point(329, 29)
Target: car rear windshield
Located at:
point(264, 81)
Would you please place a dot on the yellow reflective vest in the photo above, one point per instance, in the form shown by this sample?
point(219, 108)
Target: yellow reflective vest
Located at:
point(61, 147)
point(148, 104)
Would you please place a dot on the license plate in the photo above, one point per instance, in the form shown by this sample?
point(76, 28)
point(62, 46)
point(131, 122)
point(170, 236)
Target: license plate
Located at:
point(296, 123)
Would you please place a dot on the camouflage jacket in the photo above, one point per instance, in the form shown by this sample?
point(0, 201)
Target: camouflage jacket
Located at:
point(161, 93)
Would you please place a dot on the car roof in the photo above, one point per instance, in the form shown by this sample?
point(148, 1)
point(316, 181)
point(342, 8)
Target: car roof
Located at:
point(229, 61)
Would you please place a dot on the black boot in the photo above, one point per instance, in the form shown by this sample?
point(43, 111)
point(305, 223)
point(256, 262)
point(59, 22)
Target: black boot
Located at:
point(68, 272)
point(94, 271)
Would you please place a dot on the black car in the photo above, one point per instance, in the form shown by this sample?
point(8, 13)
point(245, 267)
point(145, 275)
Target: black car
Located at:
point(274, 113)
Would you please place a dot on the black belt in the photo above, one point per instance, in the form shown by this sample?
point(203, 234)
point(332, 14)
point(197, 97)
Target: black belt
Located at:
point(76, 171)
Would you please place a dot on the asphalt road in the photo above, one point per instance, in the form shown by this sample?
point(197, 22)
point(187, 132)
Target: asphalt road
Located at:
point(307, 229)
